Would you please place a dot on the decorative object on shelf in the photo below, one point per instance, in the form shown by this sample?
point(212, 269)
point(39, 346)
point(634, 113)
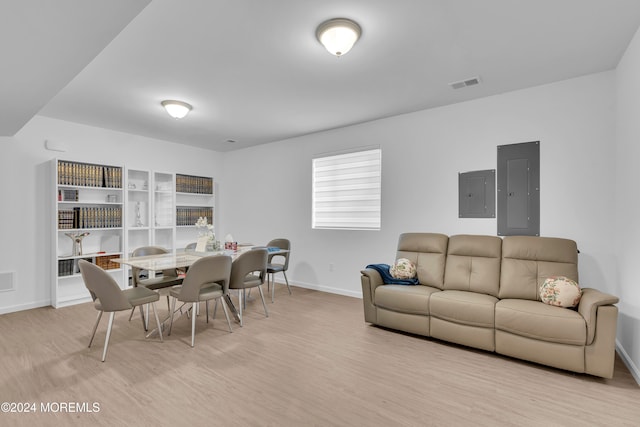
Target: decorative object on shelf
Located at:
point(138, 216)
point(338, 35)
point(106, 263)
point(77, 242)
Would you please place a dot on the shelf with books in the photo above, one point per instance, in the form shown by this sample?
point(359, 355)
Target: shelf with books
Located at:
point(192, 184)
point(87, 223)
point(194, 199)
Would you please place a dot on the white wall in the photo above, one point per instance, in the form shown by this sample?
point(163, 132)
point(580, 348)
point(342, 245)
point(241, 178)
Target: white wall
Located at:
point(24, 173)
point(268, 187)
point(627, 206)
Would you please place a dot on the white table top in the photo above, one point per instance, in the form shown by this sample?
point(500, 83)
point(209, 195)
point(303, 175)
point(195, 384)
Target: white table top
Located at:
point(180, 259)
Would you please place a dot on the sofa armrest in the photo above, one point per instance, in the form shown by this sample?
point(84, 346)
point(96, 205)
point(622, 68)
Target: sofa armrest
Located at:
point(370, 279)
point(589, 303)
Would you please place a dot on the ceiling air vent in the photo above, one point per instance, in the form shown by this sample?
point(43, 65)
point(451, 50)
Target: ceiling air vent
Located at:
point(464, 83)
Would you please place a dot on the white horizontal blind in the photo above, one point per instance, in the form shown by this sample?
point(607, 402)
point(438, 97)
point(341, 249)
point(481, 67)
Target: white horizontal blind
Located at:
point(347, 191)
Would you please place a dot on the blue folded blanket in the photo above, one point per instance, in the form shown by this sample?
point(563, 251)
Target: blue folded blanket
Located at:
point(388, 279)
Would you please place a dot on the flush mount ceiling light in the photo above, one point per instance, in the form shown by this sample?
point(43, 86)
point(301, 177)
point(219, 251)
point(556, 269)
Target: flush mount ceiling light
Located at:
point(338, 35)
point(176, 109)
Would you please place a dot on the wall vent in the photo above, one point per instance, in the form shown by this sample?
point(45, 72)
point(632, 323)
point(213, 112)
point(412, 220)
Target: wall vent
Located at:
point(6, 280)
point(464, 83)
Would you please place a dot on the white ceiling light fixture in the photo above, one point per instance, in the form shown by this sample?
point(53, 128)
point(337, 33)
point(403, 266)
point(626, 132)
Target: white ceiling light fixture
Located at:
point(176, 109)
point(338, 35)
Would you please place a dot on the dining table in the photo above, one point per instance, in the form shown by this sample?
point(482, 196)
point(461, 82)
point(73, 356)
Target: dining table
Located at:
point(185, 258)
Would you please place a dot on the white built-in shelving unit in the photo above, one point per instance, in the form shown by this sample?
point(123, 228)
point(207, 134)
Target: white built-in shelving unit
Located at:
point(88, 199)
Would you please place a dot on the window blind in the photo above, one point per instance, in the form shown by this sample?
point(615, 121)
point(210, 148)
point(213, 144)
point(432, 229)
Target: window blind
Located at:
point(347, 191)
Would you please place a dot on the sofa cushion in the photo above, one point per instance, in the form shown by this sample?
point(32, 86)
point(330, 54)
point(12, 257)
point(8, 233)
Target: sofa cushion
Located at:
point(404, 299)
point(428, 252)
point(468, 308)
point(527, 261)
point(533, 319)
point(560, 291)
point(473, 264)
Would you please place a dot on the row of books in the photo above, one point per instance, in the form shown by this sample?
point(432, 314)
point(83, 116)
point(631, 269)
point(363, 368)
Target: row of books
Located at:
point(194, 184)
point(66, 219)
point(90, 217)
point(68, 195)
point(189, 215)
point(89, 175)
point(68, 267)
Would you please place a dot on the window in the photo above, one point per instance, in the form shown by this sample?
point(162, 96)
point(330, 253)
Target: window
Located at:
point(346, 191)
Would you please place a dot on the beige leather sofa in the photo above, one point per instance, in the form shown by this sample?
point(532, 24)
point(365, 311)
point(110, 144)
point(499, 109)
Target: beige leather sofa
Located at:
point(483, 292)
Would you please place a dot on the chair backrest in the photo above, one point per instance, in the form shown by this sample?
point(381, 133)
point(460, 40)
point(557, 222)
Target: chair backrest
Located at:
point(149, 250)
point(211, 269)
point(102, 287)
point(282, 244)
point(248, 262)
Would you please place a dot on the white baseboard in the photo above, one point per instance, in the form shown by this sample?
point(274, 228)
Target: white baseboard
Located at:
point(627, 361)
point(28, 306)
point(322, 288)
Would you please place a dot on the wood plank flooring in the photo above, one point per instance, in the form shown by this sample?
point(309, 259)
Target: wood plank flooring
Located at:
point(313, 362)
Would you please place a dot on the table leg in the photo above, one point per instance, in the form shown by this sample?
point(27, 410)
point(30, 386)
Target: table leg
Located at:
point(232, 307)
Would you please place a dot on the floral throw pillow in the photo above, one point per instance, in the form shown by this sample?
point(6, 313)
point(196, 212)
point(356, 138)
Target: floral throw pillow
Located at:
point(403, 269)
point(560, 291)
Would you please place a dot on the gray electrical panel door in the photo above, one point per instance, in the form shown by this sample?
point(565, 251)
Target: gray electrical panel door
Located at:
point(477, 194)
point(519, 189)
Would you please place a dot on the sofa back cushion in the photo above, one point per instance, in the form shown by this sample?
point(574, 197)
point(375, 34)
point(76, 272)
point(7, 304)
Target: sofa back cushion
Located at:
point(428, 252)
point(473, 264)
point(527, 261)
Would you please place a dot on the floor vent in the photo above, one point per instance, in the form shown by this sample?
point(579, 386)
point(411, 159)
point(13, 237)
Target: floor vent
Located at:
point(6, 281)
point(464, 83)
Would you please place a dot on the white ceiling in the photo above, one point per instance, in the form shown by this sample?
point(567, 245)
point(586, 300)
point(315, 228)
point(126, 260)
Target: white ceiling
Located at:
point(255, 73)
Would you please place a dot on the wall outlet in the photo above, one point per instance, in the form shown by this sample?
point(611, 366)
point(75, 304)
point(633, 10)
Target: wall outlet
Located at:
point(330, 266)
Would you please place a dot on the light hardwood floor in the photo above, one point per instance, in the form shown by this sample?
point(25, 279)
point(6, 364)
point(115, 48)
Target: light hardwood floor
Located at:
point(313, 362)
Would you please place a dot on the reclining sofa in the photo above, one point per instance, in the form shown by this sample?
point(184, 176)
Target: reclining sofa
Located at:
point(483, 292)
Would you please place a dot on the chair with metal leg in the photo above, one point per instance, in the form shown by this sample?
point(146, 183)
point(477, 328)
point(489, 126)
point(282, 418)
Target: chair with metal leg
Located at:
point(281, 267)
point(207, 279)
point(108, 297)
point(168, 278)
point(249, 270)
